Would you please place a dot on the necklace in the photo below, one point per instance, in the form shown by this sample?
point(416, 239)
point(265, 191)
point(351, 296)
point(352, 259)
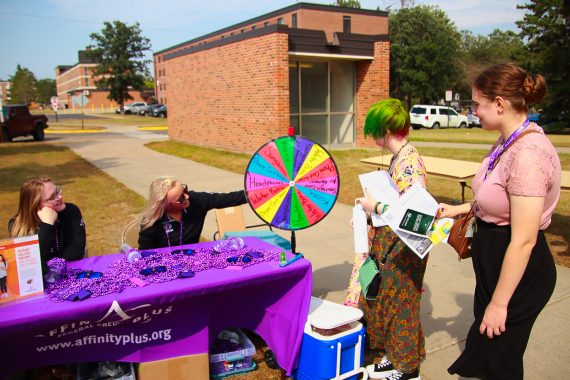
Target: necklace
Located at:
point(168, 229)
point(503, 146)
point(396, 156)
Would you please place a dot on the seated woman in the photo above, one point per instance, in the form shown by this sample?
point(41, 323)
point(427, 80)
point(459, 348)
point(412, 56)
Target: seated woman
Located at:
point(59, 225)
point(175, 216)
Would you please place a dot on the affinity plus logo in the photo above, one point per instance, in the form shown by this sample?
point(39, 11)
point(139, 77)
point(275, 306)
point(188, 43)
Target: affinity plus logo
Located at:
point(114, 316)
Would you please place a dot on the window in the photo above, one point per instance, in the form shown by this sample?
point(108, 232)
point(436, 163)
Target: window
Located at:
point(419, 110)
point(294, 20)
point(433, 111)
point(280, 21)
point(266, 23)
point(254, 27)
point(346, 24)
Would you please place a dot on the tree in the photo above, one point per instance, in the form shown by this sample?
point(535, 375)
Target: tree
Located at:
point(546, 28)
point(119, 50)
point(23, 88)
point(347, 3)
point(45, 90)
point(423, 50)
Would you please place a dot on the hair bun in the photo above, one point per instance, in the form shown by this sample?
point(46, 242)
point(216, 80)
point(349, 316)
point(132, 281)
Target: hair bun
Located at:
point(534, 88)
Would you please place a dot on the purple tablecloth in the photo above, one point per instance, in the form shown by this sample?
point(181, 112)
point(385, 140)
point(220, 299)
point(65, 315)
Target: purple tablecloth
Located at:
point(161, 321)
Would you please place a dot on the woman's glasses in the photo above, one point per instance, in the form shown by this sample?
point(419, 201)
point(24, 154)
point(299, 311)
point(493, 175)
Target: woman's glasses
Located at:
point(56, 194)
point(184, 193)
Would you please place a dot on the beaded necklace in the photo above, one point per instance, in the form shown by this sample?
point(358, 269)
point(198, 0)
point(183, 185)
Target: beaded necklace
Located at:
point(393, 160)
point(153, 267)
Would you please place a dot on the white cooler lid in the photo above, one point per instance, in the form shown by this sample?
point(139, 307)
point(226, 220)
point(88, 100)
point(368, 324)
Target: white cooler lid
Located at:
point(328, 315)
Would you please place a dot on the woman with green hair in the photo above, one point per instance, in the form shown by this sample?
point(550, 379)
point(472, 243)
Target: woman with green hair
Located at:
point(393, 319)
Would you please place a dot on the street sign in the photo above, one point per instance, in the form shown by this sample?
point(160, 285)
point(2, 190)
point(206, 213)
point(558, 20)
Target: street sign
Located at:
point(448, 96)
point(54, 102)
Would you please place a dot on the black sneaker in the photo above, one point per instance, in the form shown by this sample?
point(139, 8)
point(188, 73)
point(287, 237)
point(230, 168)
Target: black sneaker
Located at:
point(380, 370)
point(397, 375)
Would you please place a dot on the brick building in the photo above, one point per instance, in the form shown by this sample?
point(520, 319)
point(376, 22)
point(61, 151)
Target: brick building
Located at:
point(76, 87)
point(315, 67)
point(4, 88)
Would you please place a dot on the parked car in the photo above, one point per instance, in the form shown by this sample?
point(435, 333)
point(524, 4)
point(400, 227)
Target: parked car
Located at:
point(18, 121)
point(160, 111)
point(131, 108)
point(147, 111)
point(428, 116)
point(473, 121)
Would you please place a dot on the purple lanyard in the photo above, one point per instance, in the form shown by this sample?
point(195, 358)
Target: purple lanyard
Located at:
point(501, 148)
point(167, 232)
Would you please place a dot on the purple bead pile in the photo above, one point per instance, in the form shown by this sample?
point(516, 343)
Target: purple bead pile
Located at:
point(176, 261)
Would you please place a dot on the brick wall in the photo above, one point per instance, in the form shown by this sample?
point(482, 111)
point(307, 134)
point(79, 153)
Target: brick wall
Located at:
point(372, 85)
point(233, 97)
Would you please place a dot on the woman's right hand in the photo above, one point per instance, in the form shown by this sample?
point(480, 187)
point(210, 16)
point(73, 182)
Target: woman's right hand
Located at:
point(47, 215)
point(448, 211)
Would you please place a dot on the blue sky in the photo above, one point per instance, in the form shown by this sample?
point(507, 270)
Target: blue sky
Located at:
point(42, 34)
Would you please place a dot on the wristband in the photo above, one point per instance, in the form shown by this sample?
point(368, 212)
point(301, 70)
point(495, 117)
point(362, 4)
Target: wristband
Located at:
point(376, 207)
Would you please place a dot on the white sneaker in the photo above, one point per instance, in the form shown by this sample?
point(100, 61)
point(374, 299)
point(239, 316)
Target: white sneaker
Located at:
point(397, 375)
point(380, 370)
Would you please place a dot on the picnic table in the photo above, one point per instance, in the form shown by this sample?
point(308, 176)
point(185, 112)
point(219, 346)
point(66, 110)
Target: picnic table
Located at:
point(455, 170)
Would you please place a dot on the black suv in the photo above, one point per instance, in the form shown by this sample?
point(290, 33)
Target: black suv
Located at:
point(18, 121)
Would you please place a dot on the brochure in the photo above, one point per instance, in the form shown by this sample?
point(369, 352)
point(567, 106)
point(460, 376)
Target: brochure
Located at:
point(411, 218)
point(380, 185)
point(20, 268)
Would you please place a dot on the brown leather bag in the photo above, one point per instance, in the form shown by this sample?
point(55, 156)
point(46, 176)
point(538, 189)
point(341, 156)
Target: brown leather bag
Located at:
point(457, 238)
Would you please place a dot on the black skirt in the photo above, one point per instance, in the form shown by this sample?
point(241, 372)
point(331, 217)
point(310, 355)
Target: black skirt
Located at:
point(502, 357)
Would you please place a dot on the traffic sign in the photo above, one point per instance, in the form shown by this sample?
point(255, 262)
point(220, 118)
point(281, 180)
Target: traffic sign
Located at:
point(54, 102)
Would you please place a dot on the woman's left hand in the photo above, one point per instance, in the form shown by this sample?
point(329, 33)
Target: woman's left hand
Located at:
point(494, 319)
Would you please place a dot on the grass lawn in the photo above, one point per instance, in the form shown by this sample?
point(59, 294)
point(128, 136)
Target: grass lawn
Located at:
point(106, 204)
point(102, 120)
point(474, 136)
point(348, 162)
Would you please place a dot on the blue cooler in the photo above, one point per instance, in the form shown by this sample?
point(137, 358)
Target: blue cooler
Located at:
point(333, 343)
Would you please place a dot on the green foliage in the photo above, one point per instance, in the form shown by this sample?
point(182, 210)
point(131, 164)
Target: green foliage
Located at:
point(23, 87)
point(45, 90)
point(347, 3)
point(423, 54)
point(119, 49)
point(546, 28)
point(478, 52)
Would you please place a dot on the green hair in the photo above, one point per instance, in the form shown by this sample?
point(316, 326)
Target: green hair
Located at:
point(387, 115)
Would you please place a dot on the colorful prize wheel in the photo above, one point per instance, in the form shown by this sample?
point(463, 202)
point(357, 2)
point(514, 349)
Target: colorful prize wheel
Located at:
point(292, 183)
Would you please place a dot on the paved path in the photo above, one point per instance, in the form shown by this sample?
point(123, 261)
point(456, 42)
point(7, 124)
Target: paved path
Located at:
point(447, 301)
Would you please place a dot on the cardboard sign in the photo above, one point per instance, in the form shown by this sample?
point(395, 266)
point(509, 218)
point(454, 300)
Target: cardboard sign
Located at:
point(21, 269)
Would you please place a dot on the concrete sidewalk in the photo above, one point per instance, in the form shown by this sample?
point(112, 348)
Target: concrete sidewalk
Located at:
point(449, 284)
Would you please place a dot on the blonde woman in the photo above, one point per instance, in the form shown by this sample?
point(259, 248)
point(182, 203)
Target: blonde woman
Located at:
point(59, 225)
point(175, 216)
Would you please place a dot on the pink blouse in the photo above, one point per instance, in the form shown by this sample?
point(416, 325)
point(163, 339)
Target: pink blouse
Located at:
point(530, 167)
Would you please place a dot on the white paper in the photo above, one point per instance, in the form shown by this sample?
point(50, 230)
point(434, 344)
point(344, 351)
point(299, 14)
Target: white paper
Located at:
point(360, 229)
point(379, 184)
point(416, 198)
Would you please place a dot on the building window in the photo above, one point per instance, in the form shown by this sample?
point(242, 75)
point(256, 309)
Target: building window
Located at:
point(346, 24)
point(254, 27)
point(242, 31)
point(266, 23)
point(86, 81)
point(321, 96)
point(294, 20)
point(280, 21)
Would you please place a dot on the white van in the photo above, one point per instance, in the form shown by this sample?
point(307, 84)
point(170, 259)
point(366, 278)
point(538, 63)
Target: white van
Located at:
point(436, 116)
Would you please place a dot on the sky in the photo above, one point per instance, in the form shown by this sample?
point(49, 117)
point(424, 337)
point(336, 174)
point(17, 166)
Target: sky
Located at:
point(42, 34)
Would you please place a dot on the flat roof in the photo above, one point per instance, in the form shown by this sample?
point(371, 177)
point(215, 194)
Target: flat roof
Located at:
point(330, 8)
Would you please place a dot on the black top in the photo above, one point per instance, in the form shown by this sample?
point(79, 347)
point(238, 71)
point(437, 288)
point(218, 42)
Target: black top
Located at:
point(165, 231)
point(65, 238)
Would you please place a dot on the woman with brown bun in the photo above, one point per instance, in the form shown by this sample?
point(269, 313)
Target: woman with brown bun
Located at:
point(516, 190)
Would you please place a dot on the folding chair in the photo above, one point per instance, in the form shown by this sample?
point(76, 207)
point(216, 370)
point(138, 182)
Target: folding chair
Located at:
point(130, 233)
point(231, 219)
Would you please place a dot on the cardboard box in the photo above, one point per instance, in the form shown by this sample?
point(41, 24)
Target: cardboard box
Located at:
point(190, 367)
